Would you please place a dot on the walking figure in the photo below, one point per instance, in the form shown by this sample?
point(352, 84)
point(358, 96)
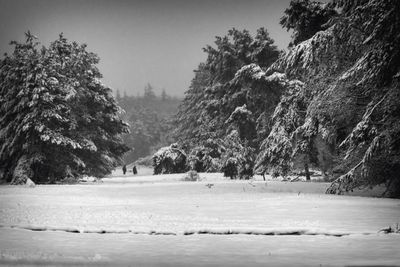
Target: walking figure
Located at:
point(134, 170)
point(124, 169)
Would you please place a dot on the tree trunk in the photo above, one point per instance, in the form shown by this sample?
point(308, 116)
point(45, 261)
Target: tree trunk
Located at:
point(393, 189)
point(2, 176)
point(307, 172)
point(22, 172)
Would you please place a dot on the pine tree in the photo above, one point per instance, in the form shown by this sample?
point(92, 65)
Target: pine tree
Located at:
point(225, 82)
point(190, 127)
point(277, 151)
point(350, 72)
point(118, 96)
point(306, 18)
point(149, 92)
point(164, 95)
point(58, 120)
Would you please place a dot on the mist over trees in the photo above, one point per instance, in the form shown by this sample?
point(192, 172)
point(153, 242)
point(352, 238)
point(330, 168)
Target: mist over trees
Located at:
point(149, 118)
point(57, 120)
point(331, 102)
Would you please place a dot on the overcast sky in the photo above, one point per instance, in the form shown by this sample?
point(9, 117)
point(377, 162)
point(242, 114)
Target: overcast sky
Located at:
point(155, 41)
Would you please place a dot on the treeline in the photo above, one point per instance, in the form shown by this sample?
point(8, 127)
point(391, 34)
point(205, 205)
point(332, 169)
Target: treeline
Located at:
point(149, 117)
point(331, 102)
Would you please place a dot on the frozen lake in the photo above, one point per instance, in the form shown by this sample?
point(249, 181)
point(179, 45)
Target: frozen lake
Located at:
point(160, 220)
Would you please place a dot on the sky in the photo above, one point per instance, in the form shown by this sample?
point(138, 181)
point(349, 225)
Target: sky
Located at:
point(145, 41)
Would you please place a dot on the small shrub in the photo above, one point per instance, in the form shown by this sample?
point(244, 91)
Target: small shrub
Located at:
point(238, 158)
point(207, 157)
point(169, 160)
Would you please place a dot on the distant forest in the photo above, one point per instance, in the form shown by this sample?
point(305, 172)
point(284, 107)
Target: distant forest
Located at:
point(150, 120)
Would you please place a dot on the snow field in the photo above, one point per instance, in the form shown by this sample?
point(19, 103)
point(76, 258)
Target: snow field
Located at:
point(163, 221)
point(139, 204)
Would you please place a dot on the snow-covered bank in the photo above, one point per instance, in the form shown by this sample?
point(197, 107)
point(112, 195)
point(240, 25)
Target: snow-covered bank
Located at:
point(204, 231)
point(21, 247)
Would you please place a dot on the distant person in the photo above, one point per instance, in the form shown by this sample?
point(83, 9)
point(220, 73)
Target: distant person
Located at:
point(124, 169)
point(134, 170)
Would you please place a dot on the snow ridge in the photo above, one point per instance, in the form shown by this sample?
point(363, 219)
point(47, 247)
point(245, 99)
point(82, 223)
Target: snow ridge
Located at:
point(205, 231)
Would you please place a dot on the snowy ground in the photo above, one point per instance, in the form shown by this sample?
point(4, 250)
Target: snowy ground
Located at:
point(161, 220)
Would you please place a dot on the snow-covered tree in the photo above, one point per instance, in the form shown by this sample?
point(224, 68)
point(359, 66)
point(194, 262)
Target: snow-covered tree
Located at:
point(149, 92)
point(57, 119)
point(206, 158)
point(375, 78)
point(238, 157)
point(277, 150)
point(118, 96)
point(350, 72)
point(305, 18)
point(243, 120)
point(170, 159)
point(164, 95)
point(191, 128)
point(225, 82)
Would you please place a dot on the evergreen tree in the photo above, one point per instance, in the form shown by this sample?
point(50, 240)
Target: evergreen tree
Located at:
point(237, 158)
point(149, 92)
point(305, 18)
point(230, 93)
point(169, 159)
point(190, 128)
point(118, 96)
point(224, 83)
point(57, 119)
point(277, 152)
point(164, 95)
point(350, 75)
